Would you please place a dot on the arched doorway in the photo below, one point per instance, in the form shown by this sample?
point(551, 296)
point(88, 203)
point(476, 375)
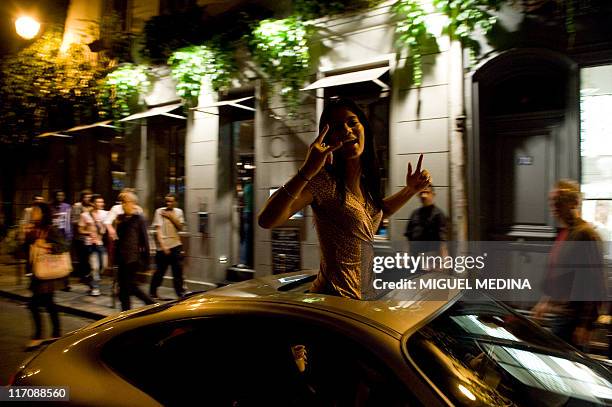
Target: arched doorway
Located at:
point(524, 137)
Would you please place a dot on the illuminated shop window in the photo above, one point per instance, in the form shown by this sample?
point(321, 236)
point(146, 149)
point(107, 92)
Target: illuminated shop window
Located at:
point(596, 148)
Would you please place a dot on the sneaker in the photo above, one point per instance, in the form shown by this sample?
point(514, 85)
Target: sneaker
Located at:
point(94, 292)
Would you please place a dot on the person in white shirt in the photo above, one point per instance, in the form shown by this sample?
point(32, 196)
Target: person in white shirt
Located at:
point(92, 229)
point(168, 222)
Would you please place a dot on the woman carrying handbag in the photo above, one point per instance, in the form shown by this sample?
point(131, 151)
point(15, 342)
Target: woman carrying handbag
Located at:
point(50, 264)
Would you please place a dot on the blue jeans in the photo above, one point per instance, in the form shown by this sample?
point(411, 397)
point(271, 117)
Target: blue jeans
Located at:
point(97, 262)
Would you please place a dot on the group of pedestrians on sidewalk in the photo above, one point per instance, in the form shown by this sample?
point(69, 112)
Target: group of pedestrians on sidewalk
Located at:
point(94, 233)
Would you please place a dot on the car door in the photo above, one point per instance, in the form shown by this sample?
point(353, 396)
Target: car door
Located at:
point(251, 360)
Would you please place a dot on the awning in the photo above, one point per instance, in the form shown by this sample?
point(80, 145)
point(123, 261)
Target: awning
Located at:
point(60, 133)
point(156, 111)
point(366, 75)
point(234, 103)
point(52, 134)
point(105, 123)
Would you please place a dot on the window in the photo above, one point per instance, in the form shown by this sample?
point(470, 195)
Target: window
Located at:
point(234, 360)
point(481, 354)
point(236, 174)
point(596, 148)
point(168, 136)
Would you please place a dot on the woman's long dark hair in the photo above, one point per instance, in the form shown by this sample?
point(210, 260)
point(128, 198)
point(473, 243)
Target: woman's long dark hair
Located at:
point(370, 171)
point(47, 215)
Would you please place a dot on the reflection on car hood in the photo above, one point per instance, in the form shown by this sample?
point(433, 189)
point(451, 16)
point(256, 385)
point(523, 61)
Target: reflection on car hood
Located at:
point(399, 310)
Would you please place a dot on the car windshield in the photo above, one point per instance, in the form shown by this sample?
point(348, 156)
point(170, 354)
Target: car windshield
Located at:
point(483, 354)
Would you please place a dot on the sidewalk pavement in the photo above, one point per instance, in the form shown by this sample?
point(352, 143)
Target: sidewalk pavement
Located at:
point(14, 285)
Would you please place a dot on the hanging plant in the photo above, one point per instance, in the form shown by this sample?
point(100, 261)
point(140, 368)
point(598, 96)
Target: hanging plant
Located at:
point(120, 91)
point(411, 32)
point(280, 47)
point(43, 88)
point(194, 64)
point(467, 17)
point(311, 9)
point(570, 23)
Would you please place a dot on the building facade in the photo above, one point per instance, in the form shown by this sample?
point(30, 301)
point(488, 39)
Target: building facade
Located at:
point(496, 132)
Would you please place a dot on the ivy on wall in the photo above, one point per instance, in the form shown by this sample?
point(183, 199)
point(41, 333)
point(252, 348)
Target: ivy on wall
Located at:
point(411, 32)
point(121, 89)
point(466, 17)
point(311, 9)
point(280, 47)
point(194, 64)
point(39, 81)
point(44, 89)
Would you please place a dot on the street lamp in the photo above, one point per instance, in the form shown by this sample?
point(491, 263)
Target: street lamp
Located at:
point(27, 27)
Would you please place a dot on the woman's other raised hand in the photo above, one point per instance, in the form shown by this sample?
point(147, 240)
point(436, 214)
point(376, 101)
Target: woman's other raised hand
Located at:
point(417, 180)
point(318, 155)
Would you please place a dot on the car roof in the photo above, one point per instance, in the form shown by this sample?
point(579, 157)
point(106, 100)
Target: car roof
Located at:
point(399, 310)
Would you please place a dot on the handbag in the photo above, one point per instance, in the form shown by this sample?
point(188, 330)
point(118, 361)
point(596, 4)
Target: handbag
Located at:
point(49, 266)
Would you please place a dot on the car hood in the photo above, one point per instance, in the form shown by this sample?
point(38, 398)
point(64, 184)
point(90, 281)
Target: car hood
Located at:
point(399, 310)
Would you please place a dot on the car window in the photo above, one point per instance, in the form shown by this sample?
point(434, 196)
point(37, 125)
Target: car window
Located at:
point(482, 354)
point(237, 361)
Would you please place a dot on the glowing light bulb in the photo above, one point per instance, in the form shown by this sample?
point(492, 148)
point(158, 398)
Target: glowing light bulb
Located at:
point(27, 27)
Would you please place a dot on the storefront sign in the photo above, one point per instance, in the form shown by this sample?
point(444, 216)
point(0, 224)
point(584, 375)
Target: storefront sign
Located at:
point(286, 253)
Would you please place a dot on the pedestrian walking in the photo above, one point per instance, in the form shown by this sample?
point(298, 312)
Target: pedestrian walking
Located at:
point(131, 250)
point(81, 251)
point(91, 227)
point(575, 269)
point(44, 235)
point(109, 223)
point(246, 223)
point(26, 216)
point(61, 215)
point(61, 220)
point(340, 179)
point(169, 222)
point(427, 227)
point(24, 227)
point(117, 210)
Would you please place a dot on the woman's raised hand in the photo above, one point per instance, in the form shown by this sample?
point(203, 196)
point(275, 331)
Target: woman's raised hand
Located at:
point(318, 154)
point(419, 179)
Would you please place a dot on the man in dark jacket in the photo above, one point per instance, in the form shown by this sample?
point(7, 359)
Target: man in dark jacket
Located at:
point(132, 250)
point(427, 227)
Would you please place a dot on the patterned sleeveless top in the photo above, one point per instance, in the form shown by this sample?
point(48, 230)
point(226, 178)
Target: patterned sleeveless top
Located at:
point(346, 233)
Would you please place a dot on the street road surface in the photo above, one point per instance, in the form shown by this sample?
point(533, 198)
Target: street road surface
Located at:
point(15, 330)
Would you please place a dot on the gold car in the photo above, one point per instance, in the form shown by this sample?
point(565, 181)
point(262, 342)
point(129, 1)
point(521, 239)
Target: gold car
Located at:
point(269, 342)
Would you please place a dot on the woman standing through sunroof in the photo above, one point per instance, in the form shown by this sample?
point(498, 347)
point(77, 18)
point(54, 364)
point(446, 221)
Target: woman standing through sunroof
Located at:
point(340, 179)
